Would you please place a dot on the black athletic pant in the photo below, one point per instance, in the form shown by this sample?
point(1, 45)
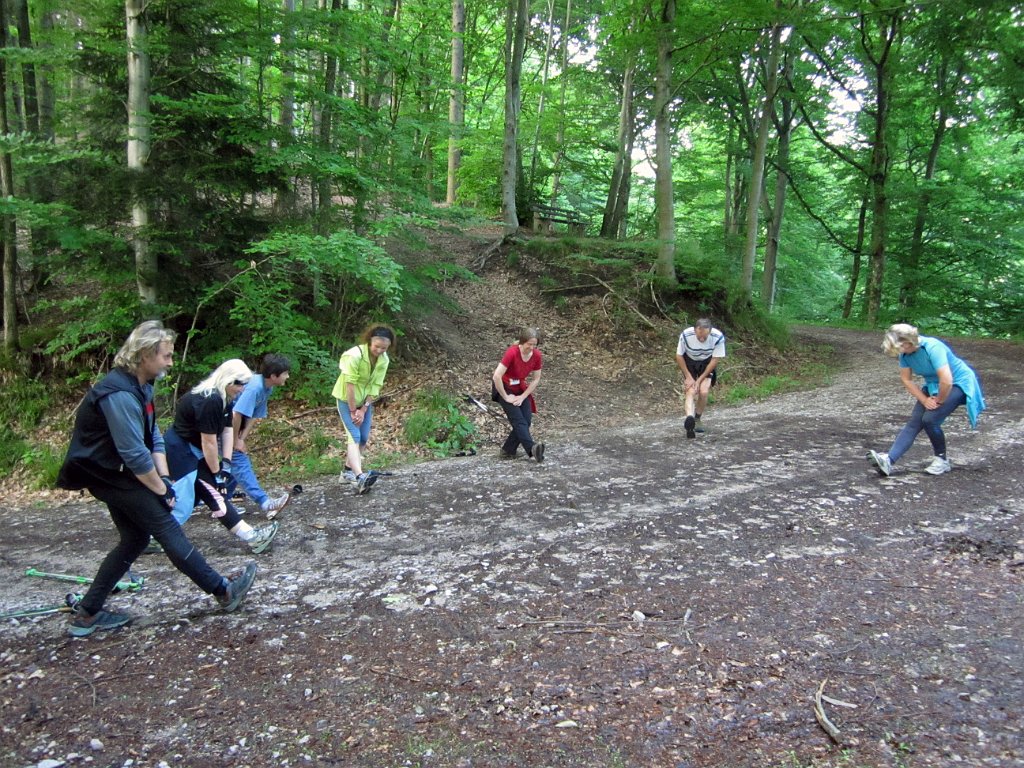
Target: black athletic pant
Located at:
point(519, 416)
point(138, 513)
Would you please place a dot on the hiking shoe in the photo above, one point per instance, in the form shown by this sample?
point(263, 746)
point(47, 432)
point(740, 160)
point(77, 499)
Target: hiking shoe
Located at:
point(538, 452)
point(938, 466)
point(881, 462)
point(506, 455)
point(697, 427)
point(262, 536)
point(348, 476)
point(273, 506)
point(237, 588)
point(688, 425)
point(365, 482)
point(101, 620)
point(153, 548)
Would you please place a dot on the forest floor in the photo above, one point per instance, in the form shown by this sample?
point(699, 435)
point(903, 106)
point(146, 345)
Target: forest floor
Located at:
point(638, 599)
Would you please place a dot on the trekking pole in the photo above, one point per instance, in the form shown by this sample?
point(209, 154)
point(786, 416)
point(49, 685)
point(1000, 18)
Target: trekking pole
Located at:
point(132, 584)
point(71, 600)
point(473, 401)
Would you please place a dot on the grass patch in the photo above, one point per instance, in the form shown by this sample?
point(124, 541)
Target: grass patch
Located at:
point(754, 377)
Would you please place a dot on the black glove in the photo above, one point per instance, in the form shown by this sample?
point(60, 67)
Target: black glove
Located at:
point(169, 494)
point(222, 480)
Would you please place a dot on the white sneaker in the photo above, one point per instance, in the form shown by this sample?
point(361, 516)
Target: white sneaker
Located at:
point(881, 462)
point(348, 476)
point(262, 537)
point(272, 506)
point(938, 466)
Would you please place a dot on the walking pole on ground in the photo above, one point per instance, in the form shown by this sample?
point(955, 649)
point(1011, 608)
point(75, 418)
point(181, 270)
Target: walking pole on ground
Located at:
point(71, 599)
point(132, 584)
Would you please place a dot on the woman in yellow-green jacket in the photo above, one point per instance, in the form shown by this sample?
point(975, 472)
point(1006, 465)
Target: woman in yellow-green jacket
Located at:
point(363, 369)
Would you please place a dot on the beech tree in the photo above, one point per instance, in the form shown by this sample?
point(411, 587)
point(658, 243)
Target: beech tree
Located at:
point(515, 42)
point(664, 197)
point(8, 229)
point(876, 179)
point(456, 102)
point(146, 267)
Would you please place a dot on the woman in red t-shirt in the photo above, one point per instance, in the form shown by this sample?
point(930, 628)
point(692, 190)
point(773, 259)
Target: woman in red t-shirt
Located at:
point(514, 382)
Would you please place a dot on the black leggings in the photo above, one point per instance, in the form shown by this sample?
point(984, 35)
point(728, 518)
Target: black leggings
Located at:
point(138, 513)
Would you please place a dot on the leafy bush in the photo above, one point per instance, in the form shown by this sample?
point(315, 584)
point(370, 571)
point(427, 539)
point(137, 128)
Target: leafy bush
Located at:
point(438, 424)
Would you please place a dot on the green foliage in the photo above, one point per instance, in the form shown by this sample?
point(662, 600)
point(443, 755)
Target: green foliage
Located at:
point(805, 373)
point(766, 387)
point(42, 464)
point(24, 403)
point(92, 327)
point(309, 457)
point(13, 448)
point(438, 424)
point(22, 408)
point(308, 294)
point(711, 284)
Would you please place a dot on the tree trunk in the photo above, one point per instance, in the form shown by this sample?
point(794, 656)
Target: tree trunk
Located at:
point(456, 103)
point(771, 251)
point(376, 97)
point(515, 44)
point(285, 200)
point(858, 250)
point(545, 67)
point(28, 70)
point(912, 264)
point(8, 229)
point(754, 189)
point(664, 199)
point(139, 127)
point(556, 166)
point(46, 95)
point(325, 185)
point(621, 215)
point(727, 217)
point(38, 186)
point(614, 206)
point(882, 74)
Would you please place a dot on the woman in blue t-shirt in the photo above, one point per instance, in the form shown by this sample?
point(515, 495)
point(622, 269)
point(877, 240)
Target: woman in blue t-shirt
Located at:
point(949, 382)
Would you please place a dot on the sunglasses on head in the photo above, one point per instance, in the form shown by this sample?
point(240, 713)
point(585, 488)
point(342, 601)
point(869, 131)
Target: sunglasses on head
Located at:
point(239, 383)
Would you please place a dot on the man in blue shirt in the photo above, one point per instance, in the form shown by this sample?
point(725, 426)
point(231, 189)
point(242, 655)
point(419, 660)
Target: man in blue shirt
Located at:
point(249, 409)
point(117, 453)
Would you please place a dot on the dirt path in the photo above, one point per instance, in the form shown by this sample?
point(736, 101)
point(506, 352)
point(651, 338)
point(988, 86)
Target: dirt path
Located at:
point(637, 600)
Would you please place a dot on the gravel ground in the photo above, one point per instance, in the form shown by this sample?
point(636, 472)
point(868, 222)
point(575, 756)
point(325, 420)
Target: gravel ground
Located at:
point(638, 599)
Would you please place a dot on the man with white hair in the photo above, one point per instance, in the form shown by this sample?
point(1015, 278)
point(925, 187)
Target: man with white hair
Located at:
point(700, 349)
point(117, 454)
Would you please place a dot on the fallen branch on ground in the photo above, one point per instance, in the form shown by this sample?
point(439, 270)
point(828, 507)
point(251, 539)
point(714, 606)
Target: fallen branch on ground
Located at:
point(481, 260)
point(822, 718)
point(617, 295)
